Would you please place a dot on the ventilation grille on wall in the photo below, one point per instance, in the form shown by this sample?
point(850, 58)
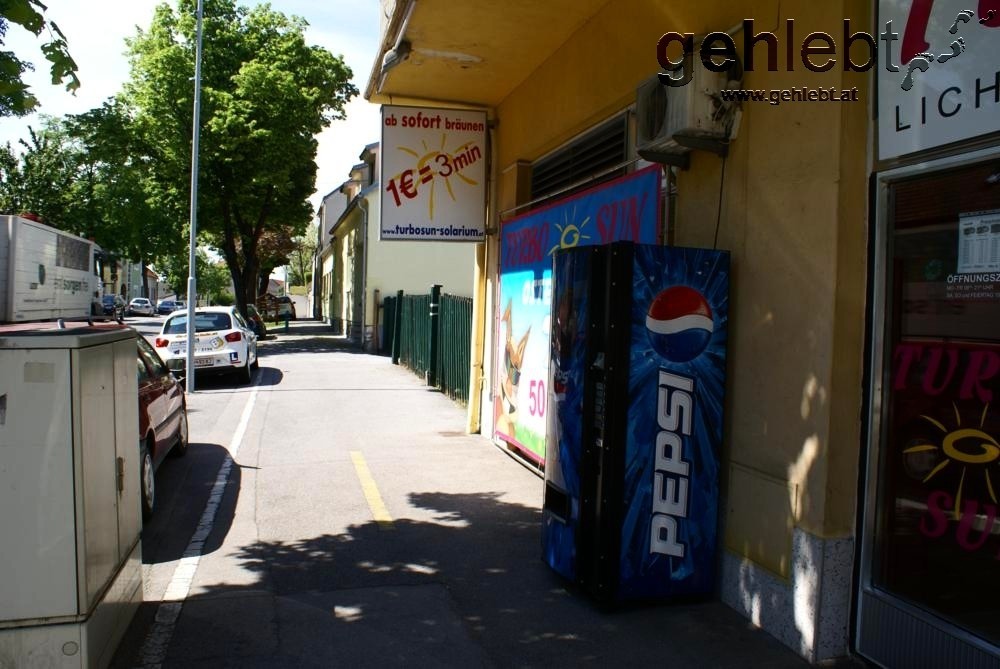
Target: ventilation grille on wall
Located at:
point(595, 152)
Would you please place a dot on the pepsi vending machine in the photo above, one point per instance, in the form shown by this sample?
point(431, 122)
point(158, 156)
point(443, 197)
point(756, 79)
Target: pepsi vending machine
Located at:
point(637, 380)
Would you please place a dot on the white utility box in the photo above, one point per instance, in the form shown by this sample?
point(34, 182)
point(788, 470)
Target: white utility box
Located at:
point(70, 516)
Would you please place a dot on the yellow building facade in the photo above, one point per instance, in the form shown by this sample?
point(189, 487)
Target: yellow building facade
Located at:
point(789, 200)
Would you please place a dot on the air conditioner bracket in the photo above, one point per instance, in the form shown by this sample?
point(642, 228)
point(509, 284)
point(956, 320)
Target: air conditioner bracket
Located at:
point(680, 160)
point(717, 146)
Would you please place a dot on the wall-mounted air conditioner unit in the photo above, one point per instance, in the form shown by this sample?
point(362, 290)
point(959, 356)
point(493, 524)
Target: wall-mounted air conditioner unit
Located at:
point(671, 121)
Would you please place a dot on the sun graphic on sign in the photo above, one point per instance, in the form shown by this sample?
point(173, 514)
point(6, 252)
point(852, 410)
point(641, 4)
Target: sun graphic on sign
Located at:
point(570, 234)
point(438, 164)
point(968, 447)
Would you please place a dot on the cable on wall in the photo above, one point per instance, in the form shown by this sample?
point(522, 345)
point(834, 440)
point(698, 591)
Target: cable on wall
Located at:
point(718, 214)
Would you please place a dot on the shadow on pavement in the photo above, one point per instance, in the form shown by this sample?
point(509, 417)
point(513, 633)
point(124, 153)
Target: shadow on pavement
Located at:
point(183, 486)
point(262, 376)
point(305, 336)
point(462, 586)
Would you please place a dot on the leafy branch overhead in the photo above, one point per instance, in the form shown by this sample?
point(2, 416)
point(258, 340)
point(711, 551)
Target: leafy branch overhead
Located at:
point(265, 95)
point(15, 97)
point(213, 278)
point(85, 174)
point(121, 172)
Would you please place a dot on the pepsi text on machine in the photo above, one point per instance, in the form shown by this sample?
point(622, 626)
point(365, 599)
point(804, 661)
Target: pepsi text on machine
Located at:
point(675, 404)
point(680, 325)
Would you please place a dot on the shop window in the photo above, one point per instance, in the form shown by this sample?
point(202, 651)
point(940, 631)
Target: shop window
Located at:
point(938, 508)
point(584, 161)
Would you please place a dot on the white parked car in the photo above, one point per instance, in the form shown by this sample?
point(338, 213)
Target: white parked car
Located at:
point(224, 342)
point(141, 306)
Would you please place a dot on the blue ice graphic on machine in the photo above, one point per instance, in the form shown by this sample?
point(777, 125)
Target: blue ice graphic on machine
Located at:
point(637, 381)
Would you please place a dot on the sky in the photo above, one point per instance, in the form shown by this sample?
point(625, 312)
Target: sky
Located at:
point(95, 31)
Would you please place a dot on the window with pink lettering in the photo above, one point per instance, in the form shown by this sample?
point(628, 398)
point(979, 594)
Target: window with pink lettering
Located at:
point(938, 531)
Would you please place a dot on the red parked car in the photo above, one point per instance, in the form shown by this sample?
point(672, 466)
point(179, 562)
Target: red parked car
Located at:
point(163, 425)
point(256, 322)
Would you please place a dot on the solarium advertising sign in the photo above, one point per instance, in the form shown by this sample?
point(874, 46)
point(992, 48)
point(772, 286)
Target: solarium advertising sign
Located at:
point(625, 209)
point(433, 174)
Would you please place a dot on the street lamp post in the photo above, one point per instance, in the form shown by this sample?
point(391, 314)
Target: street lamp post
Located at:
point(192, 282)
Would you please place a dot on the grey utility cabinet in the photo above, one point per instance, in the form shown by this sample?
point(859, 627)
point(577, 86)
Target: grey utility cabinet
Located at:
point(70, 515)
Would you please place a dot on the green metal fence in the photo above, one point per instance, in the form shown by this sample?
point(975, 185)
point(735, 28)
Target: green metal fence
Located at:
point(414, 346)
point(415, 335)
point(455, 347)
point(388, 325)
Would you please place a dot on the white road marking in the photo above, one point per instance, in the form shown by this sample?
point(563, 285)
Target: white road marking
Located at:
point(154, 649)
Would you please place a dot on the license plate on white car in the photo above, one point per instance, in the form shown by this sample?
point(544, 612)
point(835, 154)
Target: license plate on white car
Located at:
point(204, 362)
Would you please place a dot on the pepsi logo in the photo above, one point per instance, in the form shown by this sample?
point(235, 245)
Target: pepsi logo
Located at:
point(679, 323)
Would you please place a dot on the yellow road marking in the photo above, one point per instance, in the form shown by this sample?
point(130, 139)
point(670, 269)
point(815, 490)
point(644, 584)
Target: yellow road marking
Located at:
point(375, 503)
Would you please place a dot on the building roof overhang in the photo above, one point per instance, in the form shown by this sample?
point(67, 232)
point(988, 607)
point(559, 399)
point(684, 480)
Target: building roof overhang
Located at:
point(471, 53)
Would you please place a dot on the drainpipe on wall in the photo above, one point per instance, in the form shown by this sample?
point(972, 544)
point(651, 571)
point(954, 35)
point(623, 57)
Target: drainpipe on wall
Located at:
point(479, 295)
point(478, 343)
point(363, 205)
point(316, 302)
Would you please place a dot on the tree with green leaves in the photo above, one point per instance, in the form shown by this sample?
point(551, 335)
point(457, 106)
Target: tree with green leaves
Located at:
point(274, 249)
point(15, 97)
point(173, 271)
point(211, 274)
point(301, 260)
point(38, 178)
point(111, 191)
point(266, 94)
point(90, 175)
point(213, 278)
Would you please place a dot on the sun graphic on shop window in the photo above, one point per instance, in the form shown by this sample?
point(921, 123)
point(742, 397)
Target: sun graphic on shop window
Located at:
point(570, 234)
point(968, 446)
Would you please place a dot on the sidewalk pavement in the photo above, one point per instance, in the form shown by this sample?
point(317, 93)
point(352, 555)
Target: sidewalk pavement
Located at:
point(446, 573)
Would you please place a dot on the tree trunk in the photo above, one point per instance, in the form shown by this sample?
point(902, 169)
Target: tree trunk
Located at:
point(233, 264)
point(302, 268)
point(249, 284)
point(244, 276)
point(263, 281)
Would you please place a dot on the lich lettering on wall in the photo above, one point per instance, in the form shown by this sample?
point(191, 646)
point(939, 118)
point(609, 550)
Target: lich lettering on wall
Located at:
point(941, 77)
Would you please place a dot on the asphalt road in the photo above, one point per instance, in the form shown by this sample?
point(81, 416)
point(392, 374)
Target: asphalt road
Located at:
point(334, 513)
point(146, 325)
